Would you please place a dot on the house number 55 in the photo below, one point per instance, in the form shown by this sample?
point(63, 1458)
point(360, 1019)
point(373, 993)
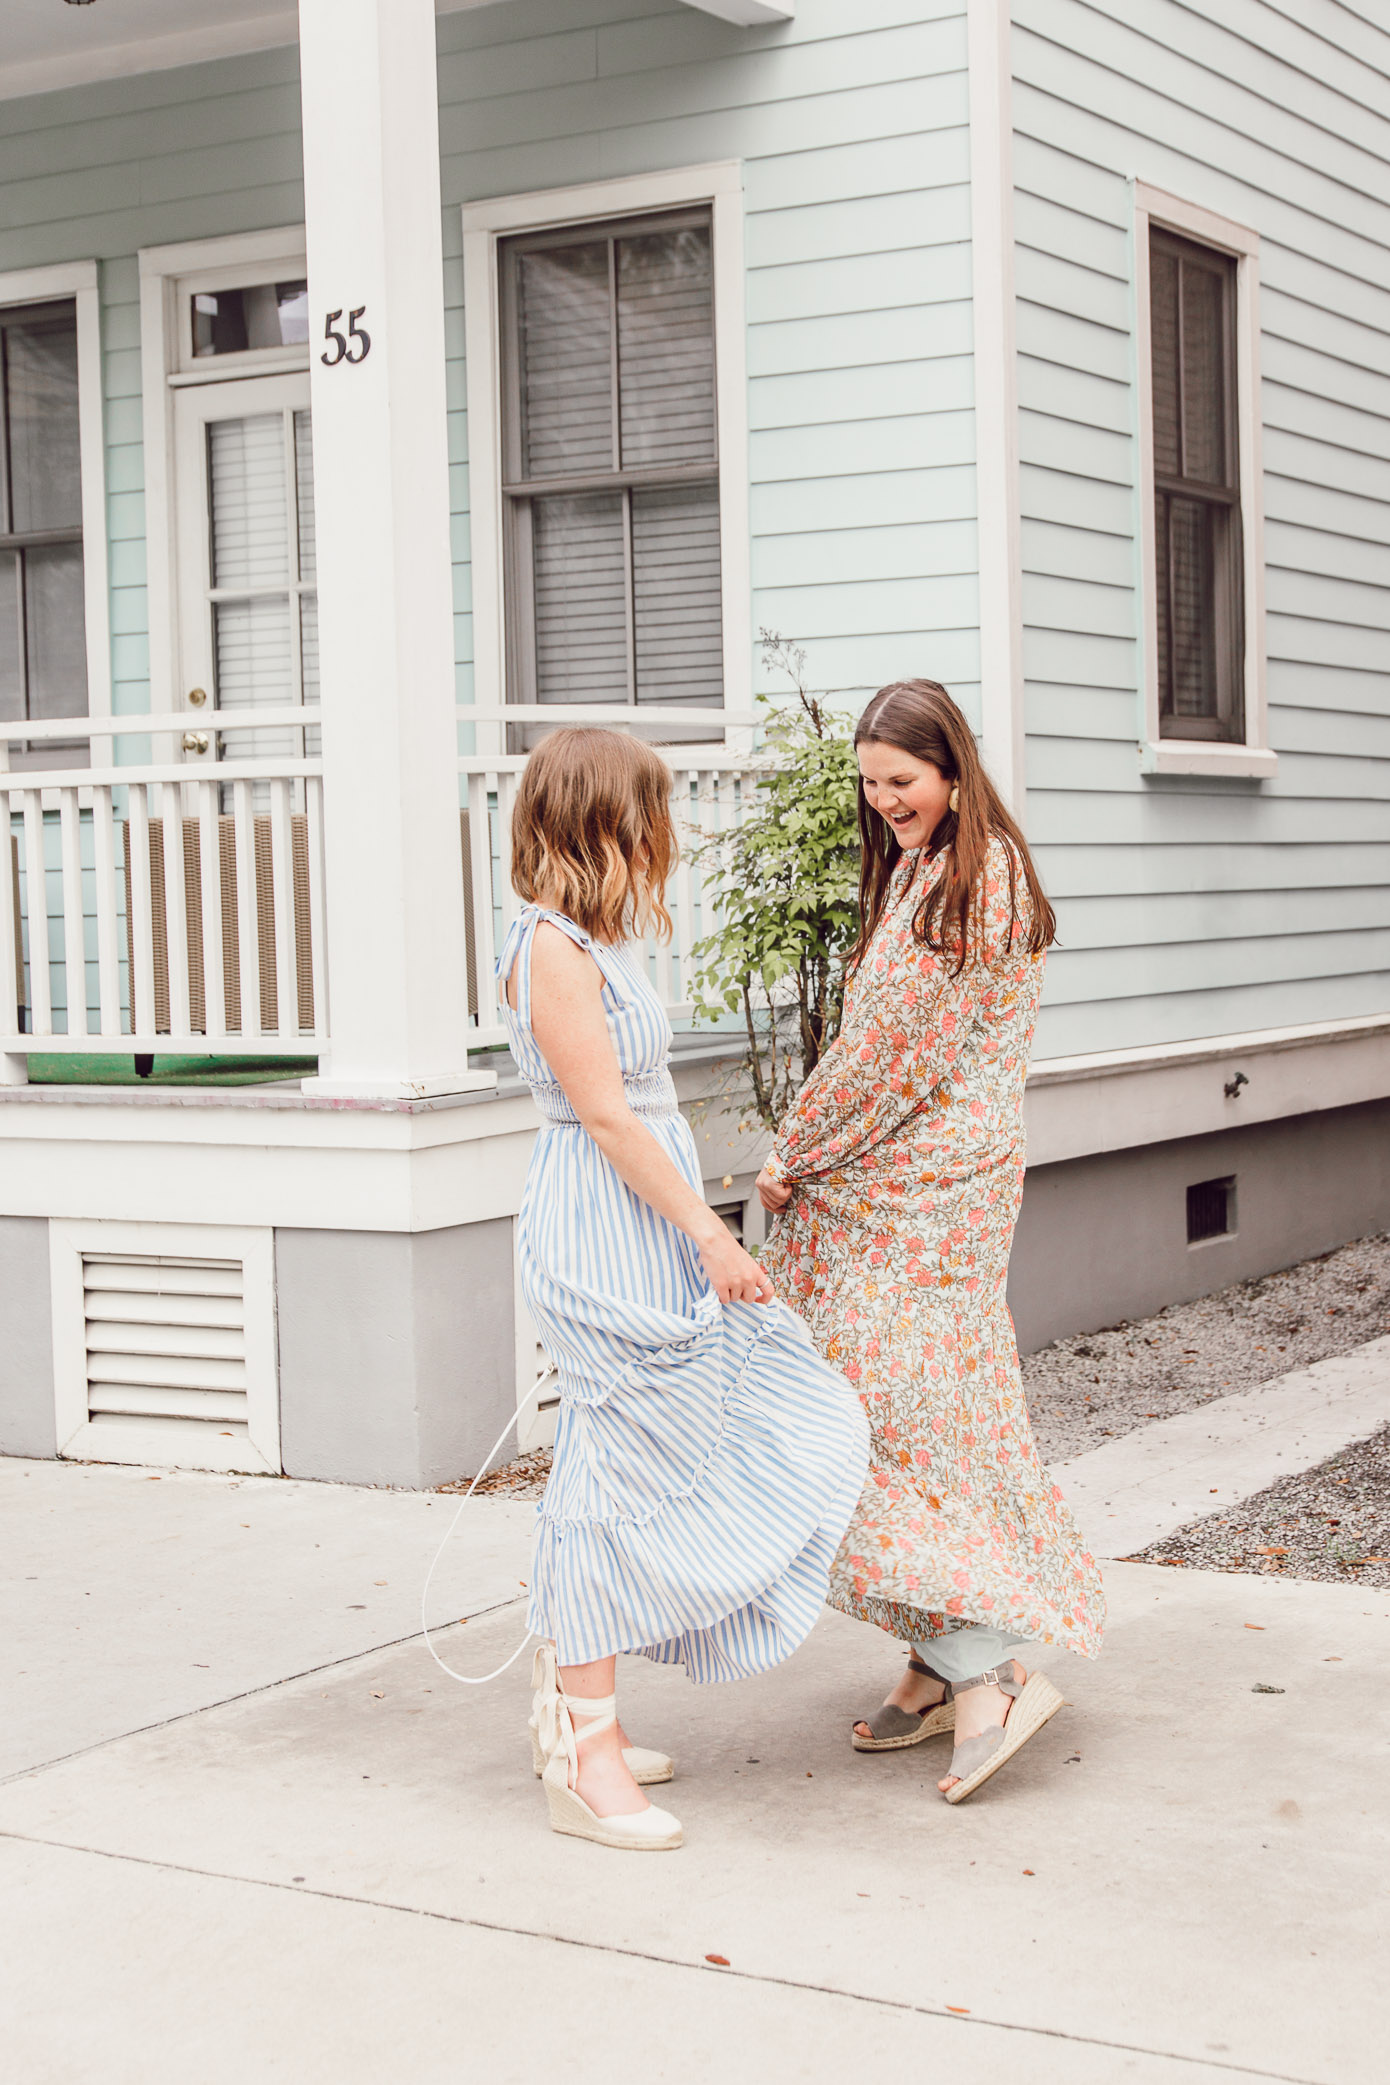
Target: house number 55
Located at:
point(341, 351)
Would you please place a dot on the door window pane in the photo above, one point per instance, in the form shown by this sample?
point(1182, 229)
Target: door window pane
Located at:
point(266, 315)
point(250, 511)
point(304, 494)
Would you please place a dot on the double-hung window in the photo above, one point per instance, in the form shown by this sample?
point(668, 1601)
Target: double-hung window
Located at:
point(1200, 514)
point(610, 465)
point(43, 645)
point(1197, 507)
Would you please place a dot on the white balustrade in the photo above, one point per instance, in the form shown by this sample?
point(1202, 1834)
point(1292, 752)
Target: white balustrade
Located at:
point(174, 907)
point(162, 908)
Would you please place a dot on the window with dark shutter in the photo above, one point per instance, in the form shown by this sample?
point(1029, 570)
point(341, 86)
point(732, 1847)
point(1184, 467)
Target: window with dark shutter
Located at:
point(43, 644)
point(1201, 638)
point(611, 466)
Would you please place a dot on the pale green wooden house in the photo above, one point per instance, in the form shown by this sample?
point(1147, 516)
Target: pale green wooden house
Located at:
point(381, 381)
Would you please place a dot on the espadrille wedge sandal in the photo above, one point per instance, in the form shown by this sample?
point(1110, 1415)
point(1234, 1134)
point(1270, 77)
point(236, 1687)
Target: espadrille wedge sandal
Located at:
point(894, 1728)
point(641, 1831)
point(646, 1767)
point(1034, 1701)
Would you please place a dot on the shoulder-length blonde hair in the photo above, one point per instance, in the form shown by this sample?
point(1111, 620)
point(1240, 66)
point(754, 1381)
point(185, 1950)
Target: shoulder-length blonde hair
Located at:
point(592, 835)
point(920, 718)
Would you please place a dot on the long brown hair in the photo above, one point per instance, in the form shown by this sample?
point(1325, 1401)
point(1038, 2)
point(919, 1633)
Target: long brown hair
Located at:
point(921, 719)
point(592, 835)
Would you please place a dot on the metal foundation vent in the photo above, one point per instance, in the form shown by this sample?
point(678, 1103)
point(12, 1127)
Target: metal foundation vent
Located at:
point(166, 1340)
point(1211, 1210)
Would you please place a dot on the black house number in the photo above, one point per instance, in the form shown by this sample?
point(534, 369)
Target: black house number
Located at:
point(342, 350)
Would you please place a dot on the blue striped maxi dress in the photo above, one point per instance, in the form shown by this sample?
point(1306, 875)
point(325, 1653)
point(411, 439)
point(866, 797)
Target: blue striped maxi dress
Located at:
point(707, 1461)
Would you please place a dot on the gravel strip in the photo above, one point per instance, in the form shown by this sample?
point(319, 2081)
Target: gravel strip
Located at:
point(523, 1479)
point(1096, 1386)
point(1331, 1523)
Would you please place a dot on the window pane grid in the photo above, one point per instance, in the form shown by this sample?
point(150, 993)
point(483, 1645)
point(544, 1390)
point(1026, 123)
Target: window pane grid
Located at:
point(1197, 518)
point(610, 465)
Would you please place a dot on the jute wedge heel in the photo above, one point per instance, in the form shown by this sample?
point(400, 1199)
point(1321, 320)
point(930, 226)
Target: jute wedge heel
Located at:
point(894, 1728)
point(647, 1768)
point(1035, 1701)
point(643, 1831)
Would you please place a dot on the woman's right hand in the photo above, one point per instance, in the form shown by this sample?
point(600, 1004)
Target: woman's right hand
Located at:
point(773, 1194)
point(734, 1274)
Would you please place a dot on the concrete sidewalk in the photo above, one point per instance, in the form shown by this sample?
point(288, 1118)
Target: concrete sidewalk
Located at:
point(306, 1855)
point(1159, 1478)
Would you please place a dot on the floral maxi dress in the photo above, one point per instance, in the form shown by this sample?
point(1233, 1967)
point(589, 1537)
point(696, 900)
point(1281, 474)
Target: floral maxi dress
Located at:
point(904, 1151)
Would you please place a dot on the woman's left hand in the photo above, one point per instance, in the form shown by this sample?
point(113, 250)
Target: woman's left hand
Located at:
point(773, 1194)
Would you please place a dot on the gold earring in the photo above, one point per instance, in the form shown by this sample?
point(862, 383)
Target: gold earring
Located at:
point(953, 801)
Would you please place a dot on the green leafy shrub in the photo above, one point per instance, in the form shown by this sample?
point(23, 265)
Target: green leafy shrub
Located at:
point(788, 878)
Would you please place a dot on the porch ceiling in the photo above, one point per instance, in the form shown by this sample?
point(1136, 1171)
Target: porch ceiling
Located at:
point(45, 44)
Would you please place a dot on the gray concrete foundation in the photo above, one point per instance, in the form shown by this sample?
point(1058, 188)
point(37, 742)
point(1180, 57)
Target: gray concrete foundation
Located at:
point(397, 1351)
point(27, 1420)
point(1105, 1238)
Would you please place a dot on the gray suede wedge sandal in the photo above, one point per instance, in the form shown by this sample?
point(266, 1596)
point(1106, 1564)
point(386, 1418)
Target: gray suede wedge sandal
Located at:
point(894, 1728)
point(1034, 1701)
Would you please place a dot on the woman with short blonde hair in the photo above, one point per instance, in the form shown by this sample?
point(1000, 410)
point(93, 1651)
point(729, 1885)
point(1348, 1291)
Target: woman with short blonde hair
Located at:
point(706, 1459)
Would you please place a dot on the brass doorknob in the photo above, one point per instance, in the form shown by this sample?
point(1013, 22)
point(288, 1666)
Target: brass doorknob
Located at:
point(197, 696)
point(195, 742)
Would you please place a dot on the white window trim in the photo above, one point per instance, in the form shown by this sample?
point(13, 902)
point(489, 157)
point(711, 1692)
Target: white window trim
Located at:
point(78, 280)
point(155, 1442)
point(1174, 756)
point(166, 273)
point(484, 224)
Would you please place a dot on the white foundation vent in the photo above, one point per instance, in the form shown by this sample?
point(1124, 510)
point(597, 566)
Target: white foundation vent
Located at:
point(165, 1356)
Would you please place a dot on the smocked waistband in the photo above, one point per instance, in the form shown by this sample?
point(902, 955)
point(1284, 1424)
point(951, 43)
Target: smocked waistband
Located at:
point(650, 1093)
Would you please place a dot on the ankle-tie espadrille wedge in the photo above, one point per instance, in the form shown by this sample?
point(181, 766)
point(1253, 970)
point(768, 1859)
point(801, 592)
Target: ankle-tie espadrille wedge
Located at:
point(646, 1767)
point(640, 1831)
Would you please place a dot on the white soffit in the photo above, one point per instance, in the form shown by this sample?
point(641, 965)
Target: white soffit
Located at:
point(45, 45)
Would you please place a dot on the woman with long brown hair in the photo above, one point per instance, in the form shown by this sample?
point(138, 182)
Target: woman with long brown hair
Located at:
point(707, 1460)
point(897, 1178)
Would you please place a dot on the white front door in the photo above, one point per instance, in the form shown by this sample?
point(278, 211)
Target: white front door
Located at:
point(248, 609)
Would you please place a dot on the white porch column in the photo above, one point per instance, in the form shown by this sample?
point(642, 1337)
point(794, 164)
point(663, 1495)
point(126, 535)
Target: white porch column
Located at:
point(398, 1008)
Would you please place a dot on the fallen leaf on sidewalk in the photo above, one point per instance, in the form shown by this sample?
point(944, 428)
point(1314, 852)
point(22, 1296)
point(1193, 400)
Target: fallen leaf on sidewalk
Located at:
point(1028, 1871)
point(719, 1961)
point(1255, 1625)
point(957, 2008)
point(376, 1696)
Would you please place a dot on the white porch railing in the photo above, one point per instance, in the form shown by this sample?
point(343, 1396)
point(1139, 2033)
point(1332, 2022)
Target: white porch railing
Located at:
point(179, 909)
point(162, 907)
point(711, 789)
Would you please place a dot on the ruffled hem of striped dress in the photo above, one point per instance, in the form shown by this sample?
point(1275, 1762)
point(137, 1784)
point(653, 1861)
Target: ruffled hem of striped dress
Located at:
point(721, 1565)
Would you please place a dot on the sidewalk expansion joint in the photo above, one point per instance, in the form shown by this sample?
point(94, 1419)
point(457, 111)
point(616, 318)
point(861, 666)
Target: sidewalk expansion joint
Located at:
point(637, 1954)
point(205, 1708)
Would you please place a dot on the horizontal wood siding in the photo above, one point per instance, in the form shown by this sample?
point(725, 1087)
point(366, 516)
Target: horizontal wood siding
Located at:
point(851, 123)
point(97, 172)
point(1197, 907)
